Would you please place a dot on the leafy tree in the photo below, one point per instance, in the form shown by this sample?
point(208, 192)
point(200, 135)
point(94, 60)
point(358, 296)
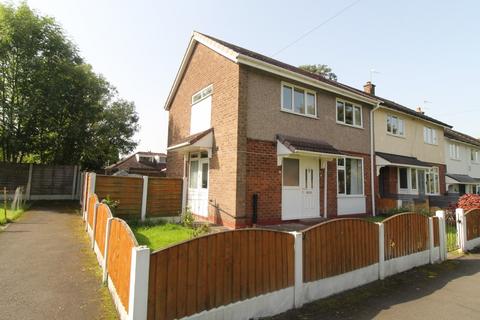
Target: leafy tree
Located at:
point(320, 69)
point(53, 107)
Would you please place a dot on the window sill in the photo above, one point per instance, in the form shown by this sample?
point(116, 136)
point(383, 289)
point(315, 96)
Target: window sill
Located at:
point(340, 196)
point(299, 114)
point(396, 135)
point(350, 125)
point(431, 144)
point(453, 159)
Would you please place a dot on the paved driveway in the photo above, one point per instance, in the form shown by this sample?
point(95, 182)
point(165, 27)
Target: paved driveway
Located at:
point(447, 291)
point(47, 270)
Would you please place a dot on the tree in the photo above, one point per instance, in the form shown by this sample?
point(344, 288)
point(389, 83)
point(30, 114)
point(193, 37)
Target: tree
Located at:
point(53, 106)
point(320, 69)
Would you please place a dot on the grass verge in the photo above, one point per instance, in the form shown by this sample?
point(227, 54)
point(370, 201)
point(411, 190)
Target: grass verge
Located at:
point(161, 235)
point(11, 215)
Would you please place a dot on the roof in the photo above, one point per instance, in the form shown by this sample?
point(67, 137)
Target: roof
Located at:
point(397, 159)
point(193, 138)
point(150, 153)
point(455, 135)
point(462, 178)
point(398, 107)
point(131, 162)
point(300, 144)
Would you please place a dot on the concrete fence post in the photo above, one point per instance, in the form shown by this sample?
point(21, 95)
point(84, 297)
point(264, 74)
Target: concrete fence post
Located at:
point(93, 175)
point(431, 243)
point(298, 269)
point(84, 195)
point(440, 214)
point(139, 274)
point(94, 224)
point(28, 190)
point(381, 251)
point(105, 253)
point(143, 214)
point(461, 229)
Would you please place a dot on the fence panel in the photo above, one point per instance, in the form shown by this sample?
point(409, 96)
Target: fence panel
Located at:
point(164, 197)
point(218, 269)
point(92, 201)
point(436, 232)
point(103, 213)
point(126, 190)
point(405, 234)
point(121, 241)
point(52, 180)
point(13, 175)
point(338, 246)
point(472, 218)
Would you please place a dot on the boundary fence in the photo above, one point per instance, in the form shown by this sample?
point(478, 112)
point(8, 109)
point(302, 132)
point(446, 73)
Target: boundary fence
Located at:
point(468, 228)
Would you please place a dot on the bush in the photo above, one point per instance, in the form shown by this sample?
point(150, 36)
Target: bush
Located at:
point(469, 201)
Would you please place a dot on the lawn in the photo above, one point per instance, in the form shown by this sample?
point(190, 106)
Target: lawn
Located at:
point(161, 235)
point(11, 215)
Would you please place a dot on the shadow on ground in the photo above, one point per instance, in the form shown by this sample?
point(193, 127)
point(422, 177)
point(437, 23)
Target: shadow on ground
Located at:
point(368, 301)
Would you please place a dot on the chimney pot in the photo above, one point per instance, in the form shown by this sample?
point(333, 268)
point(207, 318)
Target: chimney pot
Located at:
point(419, 110)
point(369, 88)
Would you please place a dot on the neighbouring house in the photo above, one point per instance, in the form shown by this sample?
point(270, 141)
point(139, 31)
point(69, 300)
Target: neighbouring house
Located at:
point(462, 153)
point(140, 163)
point(410, 161)
point(258, 141)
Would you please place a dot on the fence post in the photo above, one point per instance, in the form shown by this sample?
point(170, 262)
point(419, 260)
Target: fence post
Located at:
point(461, 229)
point(29, 181)
point(105, 253)
point(139, 274)
point(144, 197)
point(381, 251)
point(84, 195)
point(440, 214)
point(94, 224)
point(430, 238)
point(298, 268)
point(74, 181)
point(92, 183)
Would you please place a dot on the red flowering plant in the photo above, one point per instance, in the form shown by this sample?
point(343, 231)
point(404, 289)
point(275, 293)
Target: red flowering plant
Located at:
point(469, 201)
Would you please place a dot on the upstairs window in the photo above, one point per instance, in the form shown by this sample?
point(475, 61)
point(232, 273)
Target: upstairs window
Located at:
point(395, 126)
point(349, 113)
point(299, 100)
point(429, 135)
point(454, 151)
point(474, 156)
point(200, 116)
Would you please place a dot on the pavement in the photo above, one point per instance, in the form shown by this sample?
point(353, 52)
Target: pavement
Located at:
point(450, 290)
point(47, 270)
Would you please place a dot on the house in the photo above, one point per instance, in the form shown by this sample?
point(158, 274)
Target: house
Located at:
point(258, 141)
point(140, 163)
point(463, 163)
point(409, 157)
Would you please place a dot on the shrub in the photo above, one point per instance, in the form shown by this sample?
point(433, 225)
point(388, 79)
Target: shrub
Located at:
point(112, 204)
point(469, 201)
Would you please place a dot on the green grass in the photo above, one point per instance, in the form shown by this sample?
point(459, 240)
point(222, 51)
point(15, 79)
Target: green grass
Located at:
point(161, 235)
point(375, 219)
point(451, 237)
point(11, 215)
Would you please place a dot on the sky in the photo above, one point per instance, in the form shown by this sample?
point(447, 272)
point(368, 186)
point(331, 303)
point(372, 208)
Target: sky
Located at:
point(426, 53)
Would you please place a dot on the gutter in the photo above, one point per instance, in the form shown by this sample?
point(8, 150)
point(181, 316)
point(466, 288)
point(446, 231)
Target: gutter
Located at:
point(372, 156)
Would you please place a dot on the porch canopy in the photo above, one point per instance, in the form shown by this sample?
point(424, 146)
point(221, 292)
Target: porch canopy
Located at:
point(287, 145)
point(460, 179)
point(386, 159)
point(202, 141)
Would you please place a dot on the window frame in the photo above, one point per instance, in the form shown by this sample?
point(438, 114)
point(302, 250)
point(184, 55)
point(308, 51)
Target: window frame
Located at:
point(433, 134)
point(305, 95)
point(409, 189)
point(299, 178)
point(344, 168)
point(337, 100)
point(204, 93)
point(435, 171)
point(472, 153)
point(456, 151)
point(398, 119)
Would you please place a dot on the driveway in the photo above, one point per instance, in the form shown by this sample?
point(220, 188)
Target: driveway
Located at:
point(47, 270)
point(450, 290)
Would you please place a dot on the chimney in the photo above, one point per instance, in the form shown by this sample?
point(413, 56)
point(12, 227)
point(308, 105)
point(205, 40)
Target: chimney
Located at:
point(419, 110)
point(369, 88)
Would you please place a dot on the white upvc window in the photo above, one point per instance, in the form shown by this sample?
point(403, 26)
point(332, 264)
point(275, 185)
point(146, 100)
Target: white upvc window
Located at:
point(395, 125)
point(202, 94)
point(454, 151)
point(298, 100)
point(432, 181)
point(429, 135)
point(407, 180)
point(350, 176)
point(349, 113)
point(474, 156)
point(201, 110)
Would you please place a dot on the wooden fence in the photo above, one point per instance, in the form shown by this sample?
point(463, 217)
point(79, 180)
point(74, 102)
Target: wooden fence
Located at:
point(436, 232)
point(162, 197)
point(338, 246)
point(405, 233)
point(92, 202)
point(101, 218)
point(218, 269)
point(472, 218)
point(42, 182)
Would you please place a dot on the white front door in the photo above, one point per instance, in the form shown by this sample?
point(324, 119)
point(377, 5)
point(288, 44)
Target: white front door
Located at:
point(198, 184)
point(300, 188)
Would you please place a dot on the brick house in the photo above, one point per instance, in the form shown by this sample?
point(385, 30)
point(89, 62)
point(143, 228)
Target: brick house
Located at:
point(260, 141)
point(144, 163)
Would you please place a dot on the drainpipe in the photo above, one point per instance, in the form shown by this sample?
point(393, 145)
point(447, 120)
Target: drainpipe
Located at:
point(372, 156)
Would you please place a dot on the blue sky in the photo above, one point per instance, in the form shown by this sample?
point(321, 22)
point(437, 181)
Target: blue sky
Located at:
point(424, 50)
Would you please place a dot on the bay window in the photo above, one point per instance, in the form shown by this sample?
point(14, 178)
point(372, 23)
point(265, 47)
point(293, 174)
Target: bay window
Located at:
point(298, 100)
point(407, 180)
point(432, 181)
point(349, 113)
point(350, 176)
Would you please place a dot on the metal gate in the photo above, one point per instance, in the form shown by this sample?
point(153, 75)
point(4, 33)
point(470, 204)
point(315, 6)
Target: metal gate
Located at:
point(452, 232)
